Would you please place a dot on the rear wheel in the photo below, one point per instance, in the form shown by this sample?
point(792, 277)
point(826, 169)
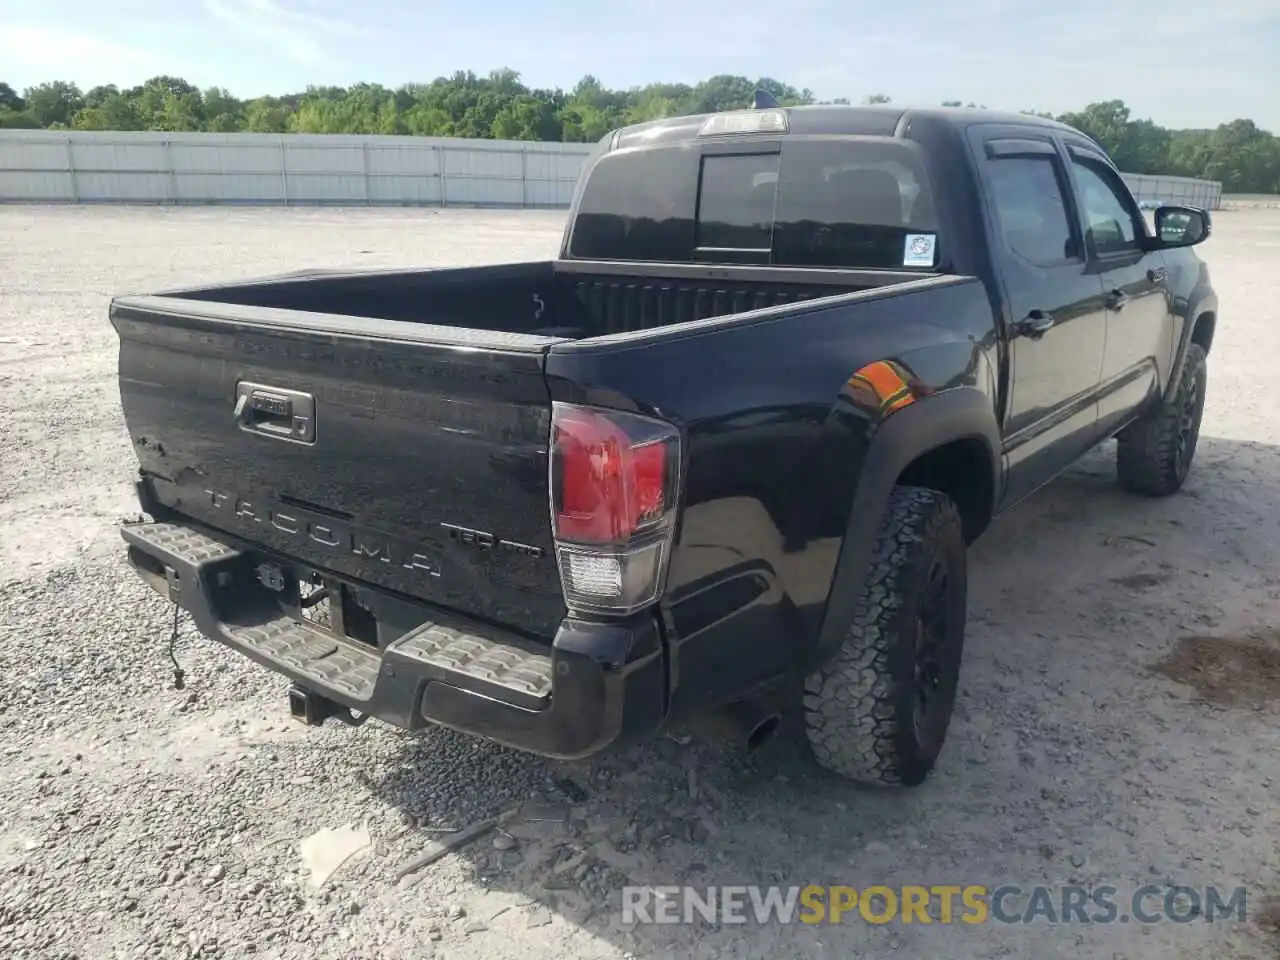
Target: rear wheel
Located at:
point(878, 711)
point(1154, 455)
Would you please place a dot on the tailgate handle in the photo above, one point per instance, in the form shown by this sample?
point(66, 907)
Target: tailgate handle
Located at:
point(276, 412)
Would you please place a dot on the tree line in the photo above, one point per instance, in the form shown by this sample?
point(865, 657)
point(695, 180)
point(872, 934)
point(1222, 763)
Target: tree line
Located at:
point(1245, 158)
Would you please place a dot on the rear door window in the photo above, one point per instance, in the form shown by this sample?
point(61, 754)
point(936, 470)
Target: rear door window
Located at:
point(1028, 197)
point(735, 205)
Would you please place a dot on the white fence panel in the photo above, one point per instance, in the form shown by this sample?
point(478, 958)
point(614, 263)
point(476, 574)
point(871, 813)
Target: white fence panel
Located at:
point(36, 154)
point(188, 157)
point(157, 167)
point(253, 168)
point(405, 191)
point(245, 188)
point(1184, 190)
point(109, 157)
point(327, 188)
point(36, 186)
point(406, 161)
point(319, 158)
point(128, 186)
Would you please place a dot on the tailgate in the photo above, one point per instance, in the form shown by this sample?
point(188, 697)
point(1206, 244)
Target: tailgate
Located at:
point(409, 456)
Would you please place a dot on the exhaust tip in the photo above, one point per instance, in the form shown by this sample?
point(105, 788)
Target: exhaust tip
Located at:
point(750, 723)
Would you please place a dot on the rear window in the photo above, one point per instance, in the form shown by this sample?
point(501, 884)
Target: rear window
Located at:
point(859, 203)
point(735, 206)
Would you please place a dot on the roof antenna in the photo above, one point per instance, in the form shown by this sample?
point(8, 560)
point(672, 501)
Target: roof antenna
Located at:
point(764, 100)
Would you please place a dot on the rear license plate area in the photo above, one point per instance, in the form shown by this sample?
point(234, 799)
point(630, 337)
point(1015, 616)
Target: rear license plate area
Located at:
point(321, 602)
point(315, 601)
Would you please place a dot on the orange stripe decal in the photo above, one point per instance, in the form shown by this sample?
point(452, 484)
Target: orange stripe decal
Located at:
point(887, 384)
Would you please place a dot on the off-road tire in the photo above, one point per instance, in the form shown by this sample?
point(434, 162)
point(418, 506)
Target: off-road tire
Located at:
point(1153, 455)
point(860, 706)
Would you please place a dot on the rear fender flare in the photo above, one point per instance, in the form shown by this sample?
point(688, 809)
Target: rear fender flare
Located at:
point(962, 413)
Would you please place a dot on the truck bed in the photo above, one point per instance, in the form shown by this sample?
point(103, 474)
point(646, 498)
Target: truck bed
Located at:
point(391, 427)
point(573, 300)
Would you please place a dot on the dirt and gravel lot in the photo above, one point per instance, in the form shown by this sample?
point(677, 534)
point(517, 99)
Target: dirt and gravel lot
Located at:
point(1118, 723)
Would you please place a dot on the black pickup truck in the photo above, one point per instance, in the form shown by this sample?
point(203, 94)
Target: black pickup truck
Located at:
point(725, 452)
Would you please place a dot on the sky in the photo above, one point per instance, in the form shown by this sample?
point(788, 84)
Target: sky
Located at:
point(1181, 63)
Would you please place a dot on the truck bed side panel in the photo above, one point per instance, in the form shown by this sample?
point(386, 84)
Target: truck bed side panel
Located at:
point(774, 453)
point(509, 297)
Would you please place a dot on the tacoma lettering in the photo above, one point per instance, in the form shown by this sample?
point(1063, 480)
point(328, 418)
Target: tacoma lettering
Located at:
point(332, 536)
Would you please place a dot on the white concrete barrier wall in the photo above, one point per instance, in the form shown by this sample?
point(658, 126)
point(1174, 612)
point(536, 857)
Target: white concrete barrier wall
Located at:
point(56, 166)
point(1181, 190)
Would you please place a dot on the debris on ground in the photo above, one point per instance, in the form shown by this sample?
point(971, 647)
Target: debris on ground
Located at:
point(325, 851)
point(572, 791)
point(437, 849)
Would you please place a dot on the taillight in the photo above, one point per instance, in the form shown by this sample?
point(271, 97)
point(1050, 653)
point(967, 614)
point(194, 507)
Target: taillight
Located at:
point(614, 478)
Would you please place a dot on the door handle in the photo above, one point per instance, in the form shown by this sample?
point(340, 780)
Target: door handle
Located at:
point(1116, 300)
point(1035, 324)
point(275, 412)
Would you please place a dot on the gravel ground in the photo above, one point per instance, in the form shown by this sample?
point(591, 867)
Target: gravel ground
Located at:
point(1117, 721)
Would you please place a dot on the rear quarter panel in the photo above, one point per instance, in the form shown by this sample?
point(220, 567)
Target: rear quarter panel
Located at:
point(775, 441)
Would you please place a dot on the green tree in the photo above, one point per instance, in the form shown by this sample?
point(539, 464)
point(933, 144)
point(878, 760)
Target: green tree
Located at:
point(53, 103)
point(223, 113)
point(1135, 146)
point(527, 117)
point(720, 93)
point(13, 109)
point(97, 96)
point(179, 111)
point(266, 115)
point(10, 100)
point(112, 111)
point(658, 101)
point(1244, 158)
point(425, 120)
point(14, 119)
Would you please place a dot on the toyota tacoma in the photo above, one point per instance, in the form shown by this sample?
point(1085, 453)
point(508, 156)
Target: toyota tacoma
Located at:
point(724, 452)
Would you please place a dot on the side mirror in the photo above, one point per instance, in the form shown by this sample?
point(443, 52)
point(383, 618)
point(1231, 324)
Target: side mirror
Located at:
point(1181, 226)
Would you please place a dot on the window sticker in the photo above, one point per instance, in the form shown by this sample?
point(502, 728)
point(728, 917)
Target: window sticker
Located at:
point(918, 250)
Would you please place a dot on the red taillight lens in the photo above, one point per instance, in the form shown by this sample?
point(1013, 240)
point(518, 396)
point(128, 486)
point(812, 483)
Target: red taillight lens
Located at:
point(614, 477)
point(610, 476)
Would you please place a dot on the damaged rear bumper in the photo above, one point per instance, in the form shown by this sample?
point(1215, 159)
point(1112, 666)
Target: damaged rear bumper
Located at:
point(597, 684)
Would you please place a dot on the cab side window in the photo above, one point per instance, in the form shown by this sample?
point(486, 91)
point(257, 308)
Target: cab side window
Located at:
point(1028, 198)
point(1110, 223)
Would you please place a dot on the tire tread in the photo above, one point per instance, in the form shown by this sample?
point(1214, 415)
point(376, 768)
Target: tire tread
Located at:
point(851, 704)
point(1147, 451)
